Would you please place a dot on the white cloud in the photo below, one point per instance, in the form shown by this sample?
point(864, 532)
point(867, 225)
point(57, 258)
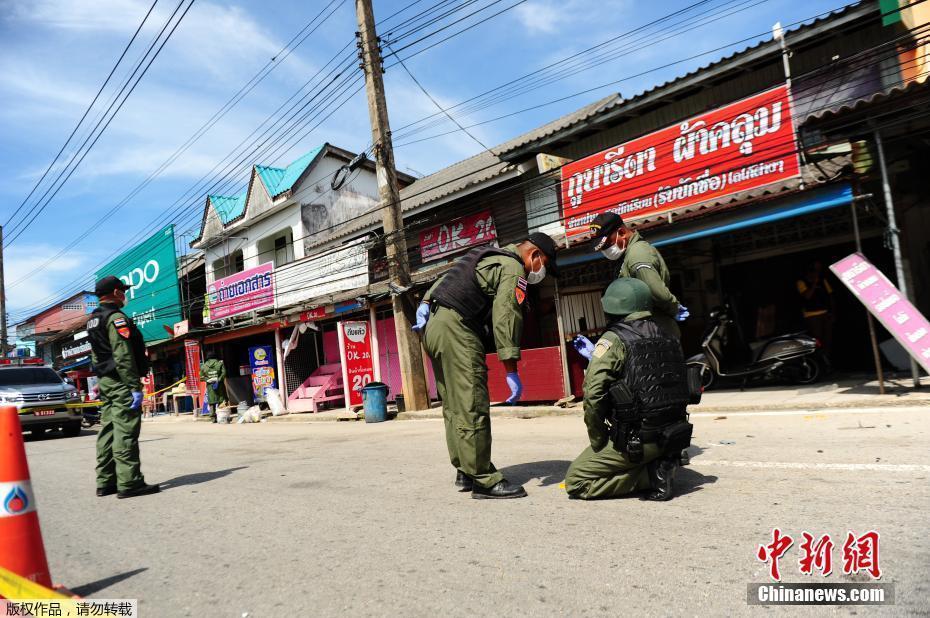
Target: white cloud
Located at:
point(538, 17)
point(21, 259)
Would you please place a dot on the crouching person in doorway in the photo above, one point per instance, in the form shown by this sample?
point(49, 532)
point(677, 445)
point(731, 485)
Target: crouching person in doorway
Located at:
point(635, 404)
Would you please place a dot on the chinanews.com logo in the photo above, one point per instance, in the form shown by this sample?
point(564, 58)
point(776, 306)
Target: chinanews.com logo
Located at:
point(859, 560)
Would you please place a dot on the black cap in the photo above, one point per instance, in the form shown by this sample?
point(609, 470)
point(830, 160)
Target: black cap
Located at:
point(108, 285)
point(603, 226)
point(545, 244)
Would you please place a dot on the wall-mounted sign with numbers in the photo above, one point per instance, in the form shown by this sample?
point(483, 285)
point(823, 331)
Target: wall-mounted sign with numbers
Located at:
point(462, 233)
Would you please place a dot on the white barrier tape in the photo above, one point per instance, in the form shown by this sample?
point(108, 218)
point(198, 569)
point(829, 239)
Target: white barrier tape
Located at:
point(16, 498)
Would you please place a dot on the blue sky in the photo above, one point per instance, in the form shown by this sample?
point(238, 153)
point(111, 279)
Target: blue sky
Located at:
point(54, 54)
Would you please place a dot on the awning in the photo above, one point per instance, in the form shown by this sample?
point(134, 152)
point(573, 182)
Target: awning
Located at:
point(731, 219)
point(803, 203)
point(79, 363)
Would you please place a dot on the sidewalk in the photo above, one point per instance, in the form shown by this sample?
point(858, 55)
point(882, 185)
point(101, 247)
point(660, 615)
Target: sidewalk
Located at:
point(851, 392)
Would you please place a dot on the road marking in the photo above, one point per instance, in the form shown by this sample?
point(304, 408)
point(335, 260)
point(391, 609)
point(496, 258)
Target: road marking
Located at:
point(814, 466)
point(802, 412)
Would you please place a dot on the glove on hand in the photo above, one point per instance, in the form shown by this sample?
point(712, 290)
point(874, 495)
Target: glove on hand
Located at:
point(422, 318)
point(516, 387)
point(214, 385)
point(136, 400)
point(683, 314)
point(584, 346)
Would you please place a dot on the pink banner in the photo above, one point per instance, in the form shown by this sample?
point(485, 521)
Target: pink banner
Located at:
point(886, 303)
point(442, 240)
point(246, 291)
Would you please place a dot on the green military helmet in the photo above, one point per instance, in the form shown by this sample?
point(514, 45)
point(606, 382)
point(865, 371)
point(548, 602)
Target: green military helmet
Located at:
point(625, 296)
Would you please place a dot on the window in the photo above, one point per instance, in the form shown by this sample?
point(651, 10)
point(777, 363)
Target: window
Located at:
point(72, 307)
point(28, 376)
point(228, 265)
point(277, 248)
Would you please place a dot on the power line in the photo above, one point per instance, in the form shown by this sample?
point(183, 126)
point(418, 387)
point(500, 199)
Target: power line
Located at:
point(83, 116)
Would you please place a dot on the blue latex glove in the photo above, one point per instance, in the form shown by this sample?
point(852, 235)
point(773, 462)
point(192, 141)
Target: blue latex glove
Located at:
point(136, 400)
point(516, 387)
point(683, 314)
point(584, 346)
point(422, 317)
point(214, 385)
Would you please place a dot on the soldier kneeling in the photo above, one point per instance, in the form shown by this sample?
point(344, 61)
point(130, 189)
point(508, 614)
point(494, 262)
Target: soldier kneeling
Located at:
point(635, 404)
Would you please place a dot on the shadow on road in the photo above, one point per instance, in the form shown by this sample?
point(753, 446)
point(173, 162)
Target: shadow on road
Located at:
point(549, 472)
point(198, 477)
point(102, 584)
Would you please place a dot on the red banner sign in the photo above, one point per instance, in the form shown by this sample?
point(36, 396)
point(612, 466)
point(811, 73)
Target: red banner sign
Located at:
point(742, 146)
point(442, 240)
point(192, 365)
point(357, 363)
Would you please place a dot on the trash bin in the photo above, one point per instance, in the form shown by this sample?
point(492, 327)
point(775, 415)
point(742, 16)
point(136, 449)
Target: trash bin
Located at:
point(374, 399)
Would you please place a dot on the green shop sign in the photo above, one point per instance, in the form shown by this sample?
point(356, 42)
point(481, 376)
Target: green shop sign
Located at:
point(154, 302)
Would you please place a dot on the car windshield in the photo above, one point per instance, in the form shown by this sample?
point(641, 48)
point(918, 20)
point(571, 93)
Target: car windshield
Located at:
point(28, 375)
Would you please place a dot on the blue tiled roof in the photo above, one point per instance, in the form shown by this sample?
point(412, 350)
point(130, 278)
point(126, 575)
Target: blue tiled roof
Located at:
point(228, 208)
point(278, 180)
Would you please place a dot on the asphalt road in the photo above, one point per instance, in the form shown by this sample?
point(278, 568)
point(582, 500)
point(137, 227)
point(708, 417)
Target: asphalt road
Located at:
point(347, 518)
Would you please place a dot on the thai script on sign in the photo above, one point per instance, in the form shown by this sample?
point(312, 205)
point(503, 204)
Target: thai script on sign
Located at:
point(901, 318)
point(442, 240)
point(741, 146)
point(246, 291)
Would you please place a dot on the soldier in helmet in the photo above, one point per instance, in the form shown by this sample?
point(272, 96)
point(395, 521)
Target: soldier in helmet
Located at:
point(118, 353)
point(635, 400)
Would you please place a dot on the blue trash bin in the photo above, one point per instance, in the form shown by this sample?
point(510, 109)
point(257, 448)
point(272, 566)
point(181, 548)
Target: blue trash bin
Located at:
point(374, 399)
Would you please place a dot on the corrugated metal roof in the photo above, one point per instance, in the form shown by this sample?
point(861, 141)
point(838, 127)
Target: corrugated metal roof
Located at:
point(227, 207)
point(736, 59)
point(487, 165)
point(279, 180)
point(876, 98)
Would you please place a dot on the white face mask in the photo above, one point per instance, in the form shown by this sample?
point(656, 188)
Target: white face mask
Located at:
point(613, 252)
point(537, 275)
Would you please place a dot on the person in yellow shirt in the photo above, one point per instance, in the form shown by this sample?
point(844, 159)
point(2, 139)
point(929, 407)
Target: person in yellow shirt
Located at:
point(818, 305)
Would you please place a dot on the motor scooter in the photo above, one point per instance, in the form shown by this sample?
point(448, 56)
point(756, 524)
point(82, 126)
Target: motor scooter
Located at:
point(792, 358)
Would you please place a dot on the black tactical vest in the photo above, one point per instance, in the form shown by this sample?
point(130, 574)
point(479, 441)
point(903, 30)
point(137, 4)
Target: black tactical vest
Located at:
point(104, 365)
point(459, 288)
point(654, 372)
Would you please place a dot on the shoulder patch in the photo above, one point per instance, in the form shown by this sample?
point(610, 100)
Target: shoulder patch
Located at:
point(601, 348)
point(642, 266)
point(124, 332)
point(119, 322)
point(520, 290)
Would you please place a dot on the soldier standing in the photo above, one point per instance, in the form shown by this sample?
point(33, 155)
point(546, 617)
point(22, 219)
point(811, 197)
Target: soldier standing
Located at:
point(486, 283)
point(118, 353)
point(635, 404)
point(213, 372)
point(642, 261)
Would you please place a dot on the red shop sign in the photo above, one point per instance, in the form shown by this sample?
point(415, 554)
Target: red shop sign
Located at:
point(742, 146)
point(192, 365)
point(442, 240)
point(357, 364)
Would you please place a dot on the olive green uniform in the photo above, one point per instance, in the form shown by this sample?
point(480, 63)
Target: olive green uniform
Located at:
point(214, 371)
point(460, 368)
point(642, 261)
point(601, 471)
point(118, 440)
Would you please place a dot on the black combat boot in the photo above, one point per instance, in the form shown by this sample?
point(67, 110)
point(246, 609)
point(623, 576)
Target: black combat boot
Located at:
point(106, 491)
point(141, 490)
point(464, 482)
point(662, 476)
point(503, 489)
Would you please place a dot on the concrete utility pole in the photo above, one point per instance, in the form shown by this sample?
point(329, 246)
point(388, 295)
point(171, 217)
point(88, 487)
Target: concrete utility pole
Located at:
point(3, 333)
point(416, 396)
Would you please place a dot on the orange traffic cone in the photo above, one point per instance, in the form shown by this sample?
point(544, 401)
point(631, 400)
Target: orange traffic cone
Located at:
point(20, 537)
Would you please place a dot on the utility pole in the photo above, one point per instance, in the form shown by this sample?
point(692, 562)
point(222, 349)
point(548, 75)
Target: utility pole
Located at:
point(416, 396)
point(3, 334)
